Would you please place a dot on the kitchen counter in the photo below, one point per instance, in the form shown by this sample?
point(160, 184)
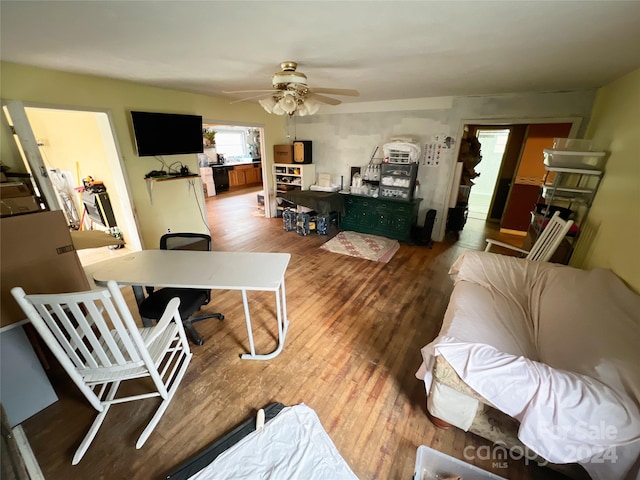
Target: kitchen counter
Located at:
point(235, 164)
point(236, 174)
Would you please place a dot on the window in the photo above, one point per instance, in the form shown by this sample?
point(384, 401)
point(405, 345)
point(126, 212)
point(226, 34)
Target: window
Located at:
point(231, 143)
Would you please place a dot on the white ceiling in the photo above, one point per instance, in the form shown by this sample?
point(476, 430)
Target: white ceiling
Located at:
point(386, 50)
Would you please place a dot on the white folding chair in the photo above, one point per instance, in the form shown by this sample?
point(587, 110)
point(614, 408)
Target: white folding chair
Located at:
point(545, 245)
point(96, 340)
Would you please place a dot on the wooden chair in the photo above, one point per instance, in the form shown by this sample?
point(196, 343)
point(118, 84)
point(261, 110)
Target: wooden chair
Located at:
point(545, 245)
point(96, 340)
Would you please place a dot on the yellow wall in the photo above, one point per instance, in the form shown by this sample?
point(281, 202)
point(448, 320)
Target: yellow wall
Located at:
point(174, 204)
point(71, 140)
point(611, 237)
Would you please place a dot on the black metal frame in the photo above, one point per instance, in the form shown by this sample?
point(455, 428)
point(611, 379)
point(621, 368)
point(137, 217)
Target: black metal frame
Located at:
point(201, 239)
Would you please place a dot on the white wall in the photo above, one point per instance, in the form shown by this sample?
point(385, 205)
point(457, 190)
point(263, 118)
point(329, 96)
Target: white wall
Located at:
point(346, 136)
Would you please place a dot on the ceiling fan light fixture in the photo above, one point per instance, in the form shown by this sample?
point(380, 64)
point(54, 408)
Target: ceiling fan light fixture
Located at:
point(302, 110)
point(277, 109)
point(311, 106)
point(288, 103)
point(268, 104)
point(291, 95)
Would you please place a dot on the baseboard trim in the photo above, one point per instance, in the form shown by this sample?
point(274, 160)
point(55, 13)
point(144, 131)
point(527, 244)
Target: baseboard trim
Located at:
point(29, 459)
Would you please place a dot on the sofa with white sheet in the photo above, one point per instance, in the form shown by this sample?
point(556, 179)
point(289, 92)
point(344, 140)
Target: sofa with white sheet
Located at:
point(543, 359)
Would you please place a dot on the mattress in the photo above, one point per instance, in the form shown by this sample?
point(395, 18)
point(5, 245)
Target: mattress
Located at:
point(291, 445)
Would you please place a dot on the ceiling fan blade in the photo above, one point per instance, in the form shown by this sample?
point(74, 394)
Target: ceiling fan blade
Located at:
point(336, 91)
point(249, 91)
point(253, 97)
point(323, 99)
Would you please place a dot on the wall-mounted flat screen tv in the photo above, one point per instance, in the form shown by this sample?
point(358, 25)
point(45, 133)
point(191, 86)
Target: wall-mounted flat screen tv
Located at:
point(166, 133)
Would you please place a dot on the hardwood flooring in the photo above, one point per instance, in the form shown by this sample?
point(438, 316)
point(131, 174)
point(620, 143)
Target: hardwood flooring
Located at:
point(351, 354)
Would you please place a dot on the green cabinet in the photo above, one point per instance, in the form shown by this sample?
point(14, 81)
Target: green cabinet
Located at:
point(380, 216)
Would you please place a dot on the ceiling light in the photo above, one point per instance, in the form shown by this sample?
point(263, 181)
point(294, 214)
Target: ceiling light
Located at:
point(277, 109)
point(312, 106)
point(289, 103)
point(268, 103)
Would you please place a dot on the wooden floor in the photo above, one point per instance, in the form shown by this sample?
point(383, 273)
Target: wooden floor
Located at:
point(351, 354)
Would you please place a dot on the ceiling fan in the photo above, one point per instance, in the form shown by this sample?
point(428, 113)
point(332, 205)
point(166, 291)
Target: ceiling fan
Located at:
point(291, 95)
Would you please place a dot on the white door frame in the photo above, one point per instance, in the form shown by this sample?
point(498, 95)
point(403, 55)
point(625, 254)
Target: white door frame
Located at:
point(575, 121)
point(28, 145)
point(266, 171)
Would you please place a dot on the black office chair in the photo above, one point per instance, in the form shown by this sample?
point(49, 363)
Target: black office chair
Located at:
point(191, 300)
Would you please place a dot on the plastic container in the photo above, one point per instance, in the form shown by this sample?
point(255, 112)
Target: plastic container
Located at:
point(581, 195)
point(434, 465)
point(574, 159)
point(401, 193)
point(573, 144)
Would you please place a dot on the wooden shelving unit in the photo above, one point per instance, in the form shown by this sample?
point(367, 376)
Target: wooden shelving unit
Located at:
point(287, 177)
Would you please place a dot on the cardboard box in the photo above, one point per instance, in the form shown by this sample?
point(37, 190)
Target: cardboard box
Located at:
point(283, 154)
point(37, 254)
point(14, 189)
point(18, 205)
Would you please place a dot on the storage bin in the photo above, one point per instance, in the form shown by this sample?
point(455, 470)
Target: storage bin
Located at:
point(303, 226)
point(289, 220)
point(432, 465)
point(574, 159)
point(567, 194)
point(573, 144)
point(401, 193)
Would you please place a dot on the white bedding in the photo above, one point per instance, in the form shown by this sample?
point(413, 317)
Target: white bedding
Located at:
point(556, 348)
point(293, 445)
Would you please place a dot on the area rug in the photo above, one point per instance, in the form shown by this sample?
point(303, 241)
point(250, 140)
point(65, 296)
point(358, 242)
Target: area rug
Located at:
point(361, 245)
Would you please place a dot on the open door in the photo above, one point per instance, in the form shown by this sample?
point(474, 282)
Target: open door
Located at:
point(517, 185)
point(529, 175)
point(74, 144)
point(28, 147)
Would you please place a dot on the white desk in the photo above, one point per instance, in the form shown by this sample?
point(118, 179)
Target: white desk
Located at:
point(208, 270)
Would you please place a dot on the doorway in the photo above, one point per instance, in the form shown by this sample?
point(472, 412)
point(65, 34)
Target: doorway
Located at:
point(234, 153)
point(61, 148)
point(494, 142)
point(514, 169)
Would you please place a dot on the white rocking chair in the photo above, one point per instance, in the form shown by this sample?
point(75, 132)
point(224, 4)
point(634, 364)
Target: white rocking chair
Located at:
point(95, 338)
point(545, 245)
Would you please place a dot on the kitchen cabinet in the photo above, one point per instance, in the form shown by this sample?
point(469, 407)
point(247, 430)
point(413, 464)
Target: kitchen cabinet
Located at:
point(380, 216)
point(244, 175)
point(253, 175)
point(236, 178)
